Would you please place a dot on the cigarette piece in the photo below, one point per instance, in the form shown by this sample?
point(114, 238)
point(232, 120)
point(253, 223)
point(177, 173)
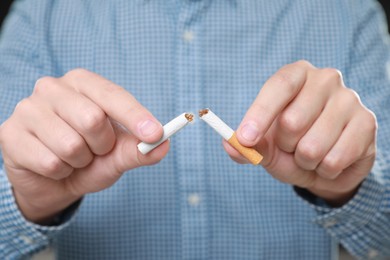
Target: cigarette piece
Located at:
point(229, 135)
point(170, 129)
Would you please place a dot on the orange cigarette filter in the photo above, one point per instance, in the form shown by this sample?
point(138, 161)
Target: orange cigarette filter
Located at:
point(229, 135)
point(251, 154)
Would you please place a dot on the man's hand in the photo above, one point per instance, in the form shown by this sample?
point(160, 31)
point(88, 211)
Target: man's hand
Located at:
point(313, 132)
point(74, 135)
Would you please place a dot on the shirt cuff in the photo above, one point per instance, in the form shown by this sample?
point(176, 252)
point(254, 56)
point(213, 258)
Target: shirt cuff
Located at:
point(19, 237)
point(359, 224)
point(361, 210)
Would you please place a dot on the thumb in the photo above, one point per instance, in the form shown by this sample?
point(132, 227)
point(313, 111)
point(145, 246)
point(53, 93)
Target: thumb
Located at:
point(105, 170)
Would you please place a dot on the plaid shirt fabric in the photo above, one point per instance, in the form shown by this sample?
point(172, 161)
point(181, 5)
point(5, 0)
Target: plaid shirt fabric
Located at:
point(183, 55)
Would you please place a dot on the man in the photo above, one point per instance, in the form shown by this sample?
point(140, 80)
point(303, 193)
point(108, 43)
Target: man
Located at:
point(73, 175)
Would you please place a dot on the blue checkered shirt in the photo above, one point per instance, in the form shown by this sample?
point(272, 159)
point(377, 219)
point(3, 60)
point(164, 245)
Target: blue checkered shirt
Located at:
point(182, 55)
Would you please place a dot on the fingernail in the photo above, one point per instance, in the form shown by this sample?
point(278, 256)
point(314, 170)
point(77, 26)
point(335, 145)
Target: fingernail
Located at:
point(148, 127)
point(250, 131)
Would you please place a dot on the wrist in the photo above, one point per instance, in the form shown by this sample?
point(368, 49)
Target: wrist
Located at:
point(333, 198)
point(41, 211)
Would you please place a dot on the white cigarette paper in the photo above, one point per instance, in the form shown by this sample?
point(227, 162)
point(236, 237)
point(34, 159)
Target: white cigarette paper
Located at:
point(216, 123)
point(229, 135)
point(170, 129)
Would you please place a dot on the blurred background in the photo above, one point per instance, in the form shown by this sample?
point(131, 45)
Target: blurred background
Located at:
point(386, 6)
point(48, 254)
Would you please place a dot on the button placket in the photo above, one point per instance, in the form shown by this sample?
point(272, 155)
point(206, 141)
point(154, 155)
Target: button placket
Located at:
point(190, 169)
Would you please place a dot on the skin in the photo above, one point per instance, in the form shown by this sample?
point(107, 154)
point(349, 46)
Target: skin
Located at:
point(313, 132)
point(77, 134)
point(69, 139)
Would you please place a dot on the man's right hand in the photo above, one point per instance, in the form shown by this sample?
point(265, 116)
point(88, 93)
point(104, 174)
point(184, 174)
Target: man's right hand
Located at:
point(74, 135)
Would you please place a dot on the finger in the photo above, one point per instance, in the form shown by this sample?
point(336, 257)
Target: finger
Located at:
point(81, 114)
point(275, 95)
point(324, 133)
point(34, 157)
point(234, 154)
point(130, 157)
point(105, 170)
point(356, 143)
point(283, 167)
point(296, 119)
point(56, 135)
point(117, 103)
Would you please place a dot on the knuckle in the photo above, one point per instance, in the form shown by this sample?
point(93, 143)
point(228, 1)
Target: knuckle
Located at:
point(76, 73)
point(71, 146)
point(291, 121)
point(330, 167)
point(303, 63)
point(93, 119)
point(350, 98)
point(43, 84)
point(309, 150)
point(332, 75)
point(370, 122)
point(51, 167)
point(23, 106)
point(371, 150)
point(7, 131)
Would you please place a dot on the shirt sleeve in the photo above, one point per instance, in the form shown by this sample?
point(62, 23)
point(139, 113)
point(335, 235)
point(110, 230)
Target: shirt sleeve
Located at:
point(20, 238)
point(361, 225)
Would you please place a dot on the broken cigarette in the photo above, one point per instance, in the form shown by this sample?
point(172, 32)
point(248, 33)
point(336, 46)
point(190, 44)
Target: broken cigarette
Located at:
point(229, 135)
point(170, 129)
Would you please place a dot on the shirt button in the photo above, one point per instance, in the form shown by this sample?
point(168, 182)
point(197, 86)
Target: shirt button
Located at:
point(193, 199)
point(372, 254)
point(188, 36)
point(330, 223)
point(27, 240)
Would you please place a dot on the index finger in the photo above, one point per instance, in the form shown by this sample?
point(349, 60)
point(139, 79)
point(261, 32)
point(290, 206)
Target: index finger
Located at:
point(117, 103)
point(278, 91)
